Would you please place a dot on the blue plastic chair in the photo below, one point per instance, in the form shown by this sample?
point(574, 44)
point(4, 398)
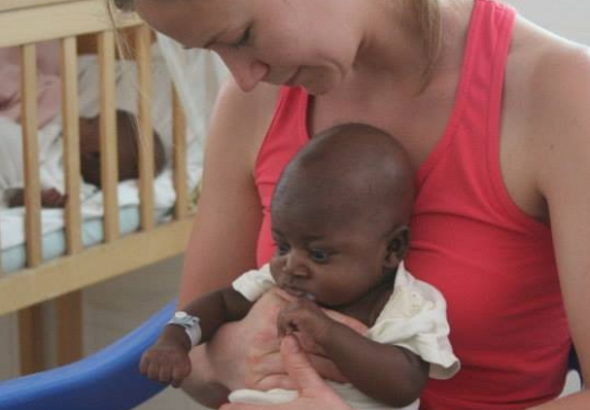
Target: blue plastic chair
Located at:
point(106, 380)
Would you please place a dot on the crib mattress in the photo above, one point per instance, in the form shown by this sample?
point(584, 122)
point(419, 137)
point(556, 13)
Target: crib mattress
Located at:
point(54, 243)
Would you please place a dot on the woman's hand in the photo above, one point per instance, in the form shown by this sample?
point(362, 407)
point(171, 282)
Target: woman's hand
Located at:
point(314, 393)
point(254, 361)
point(242, 354)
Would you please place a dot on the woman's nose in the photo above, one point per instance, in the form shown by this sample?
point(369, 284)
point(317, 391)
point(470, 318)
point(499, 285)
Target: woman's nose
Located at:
point(247, 72)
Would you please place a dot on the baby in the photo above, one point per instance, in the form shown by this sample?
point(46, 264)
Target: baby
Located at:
point(340, 215)
point(128, 145)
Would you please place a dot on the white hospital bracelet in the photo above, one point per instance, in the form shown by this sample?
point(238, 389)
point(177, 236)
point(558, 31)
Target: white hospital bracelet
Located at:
point(190, 324)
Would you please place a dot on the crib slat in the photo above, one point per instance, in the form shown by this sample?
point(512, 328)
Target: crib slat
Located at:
point(180, 170)
point(31, 154)
point(71, 143)
point(1, 274)
point(31, 340)
point(69, 307)
point(145, 143)
point(108, 131)
point(30, 320)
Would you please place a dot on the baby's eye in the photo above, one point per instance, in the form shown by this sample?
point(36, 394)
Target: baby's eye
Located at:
point(319, 255)
point(282, 248)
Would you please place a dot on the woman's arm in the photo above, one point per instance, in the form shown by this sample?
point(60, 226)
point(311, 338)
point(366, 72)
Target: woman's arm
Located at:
point(563, 123)
point(223, 241)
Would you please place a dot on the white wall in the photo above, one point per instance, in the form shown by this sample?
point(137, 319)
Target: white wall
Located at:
point(568, 18)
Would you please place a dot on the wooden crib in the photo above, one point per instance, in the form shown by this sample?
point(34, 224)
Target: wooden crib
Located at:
point(81, 24)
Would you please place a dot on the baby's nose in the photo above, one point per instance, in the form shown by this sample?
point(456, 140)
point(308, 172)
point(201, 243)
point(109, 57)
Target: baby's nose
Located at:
point(295, 266)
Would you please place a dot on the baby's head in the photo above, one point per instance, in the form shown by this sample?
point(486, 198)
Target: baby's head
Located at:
point(340, 214)
point(128, 146)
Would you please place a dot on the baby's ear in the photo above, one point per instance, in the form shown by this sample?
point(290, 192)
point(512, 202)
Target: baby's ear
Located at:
point(397, 246)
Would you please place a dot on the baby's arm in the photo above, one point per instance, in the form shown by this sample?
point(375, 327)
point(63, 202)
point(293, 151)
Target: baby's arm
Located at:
point(167, 360)
point(50, 198)
point(387, 373)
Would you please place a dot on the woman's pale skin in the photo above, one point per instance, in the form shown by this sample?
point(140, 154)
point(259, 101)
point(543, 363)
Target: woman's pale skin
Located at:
point(314, 393)
point(363, 61)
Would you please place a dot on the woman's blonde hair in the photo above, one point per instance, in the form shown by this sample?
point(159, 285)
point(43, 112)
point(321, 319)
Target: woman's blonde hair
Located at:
point(427, 14)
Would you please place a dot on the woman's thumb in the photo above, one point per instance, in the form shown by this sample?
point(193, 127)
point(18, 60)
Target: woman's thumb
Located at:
point(298, 365)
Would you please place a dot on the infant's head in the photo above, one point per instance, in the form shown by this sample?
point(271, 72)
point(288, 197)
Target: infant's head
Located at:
point(340, 214)
point(128, 146)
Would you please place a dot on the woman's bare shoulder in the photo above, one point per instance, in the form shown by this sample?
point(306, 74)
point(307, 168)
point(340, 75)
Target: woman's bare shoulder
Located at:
point(550, 73)
point(546, 104)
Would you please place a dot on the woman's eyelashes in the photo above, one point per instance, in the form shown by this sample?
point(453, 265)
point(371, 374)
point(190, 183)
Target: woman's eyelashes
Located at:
point(244, 39)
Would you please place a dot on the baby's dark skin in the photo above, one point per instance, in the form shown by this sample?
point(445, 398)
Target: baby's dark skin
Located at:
point(338, 249)
point(50, 198)
point(90, 162)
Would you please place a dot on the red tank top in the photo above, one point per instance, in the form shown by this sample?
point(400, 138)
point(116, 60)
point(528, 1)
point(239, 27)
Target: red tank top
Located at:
point(494, 264)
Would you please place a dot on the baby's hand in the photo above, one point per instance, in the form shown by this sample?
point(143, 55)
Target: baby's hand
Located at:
point(304, 316)
point(52, 198)
point(166, 362)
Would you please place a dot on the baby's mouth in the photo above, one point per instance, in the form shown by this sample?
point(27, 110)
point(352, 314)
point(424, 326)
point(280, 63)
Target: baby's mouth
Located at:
point(298, 293)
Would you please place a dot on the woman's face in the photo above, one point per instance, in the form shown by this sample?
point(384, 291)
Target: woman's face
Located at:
point(306, 43)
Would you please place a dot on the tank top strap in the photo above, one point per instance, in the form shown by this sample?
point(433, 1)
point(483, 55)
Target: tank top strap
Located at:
point(486, 56)
point(478, 97)
point(285, 136)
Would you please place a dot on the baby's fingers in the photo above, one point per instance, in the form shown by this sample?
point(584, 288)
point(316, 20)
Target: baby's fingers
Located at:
point(144, 364)
point(286, 322)
point(165, 374)
point(153, 371)
point(180, 372)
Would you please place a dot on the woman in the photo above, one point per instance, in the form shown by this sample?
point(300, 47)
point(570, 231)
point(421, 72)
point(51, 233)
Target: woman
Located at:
point(494, 113)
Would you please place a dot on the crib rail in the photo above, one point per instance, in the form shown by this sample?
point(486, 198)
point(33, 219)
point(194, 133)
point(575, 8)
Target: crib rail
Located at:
point(61, 279)
point(33, 21)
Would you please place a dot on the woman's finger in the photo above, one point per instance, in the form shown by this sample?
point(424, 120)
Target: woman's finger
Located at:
point(299, 367)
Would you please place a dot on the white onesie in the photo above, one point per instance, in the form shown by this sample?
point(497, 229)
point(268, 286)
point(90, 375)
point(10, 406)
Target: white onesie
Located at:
point(413, 318)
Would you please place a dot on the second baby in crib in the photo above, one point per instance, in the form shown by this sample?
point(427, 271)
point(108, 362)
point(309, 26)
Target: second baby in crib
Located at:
point(50, 147)
point(51, 155)
point(340, 214)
